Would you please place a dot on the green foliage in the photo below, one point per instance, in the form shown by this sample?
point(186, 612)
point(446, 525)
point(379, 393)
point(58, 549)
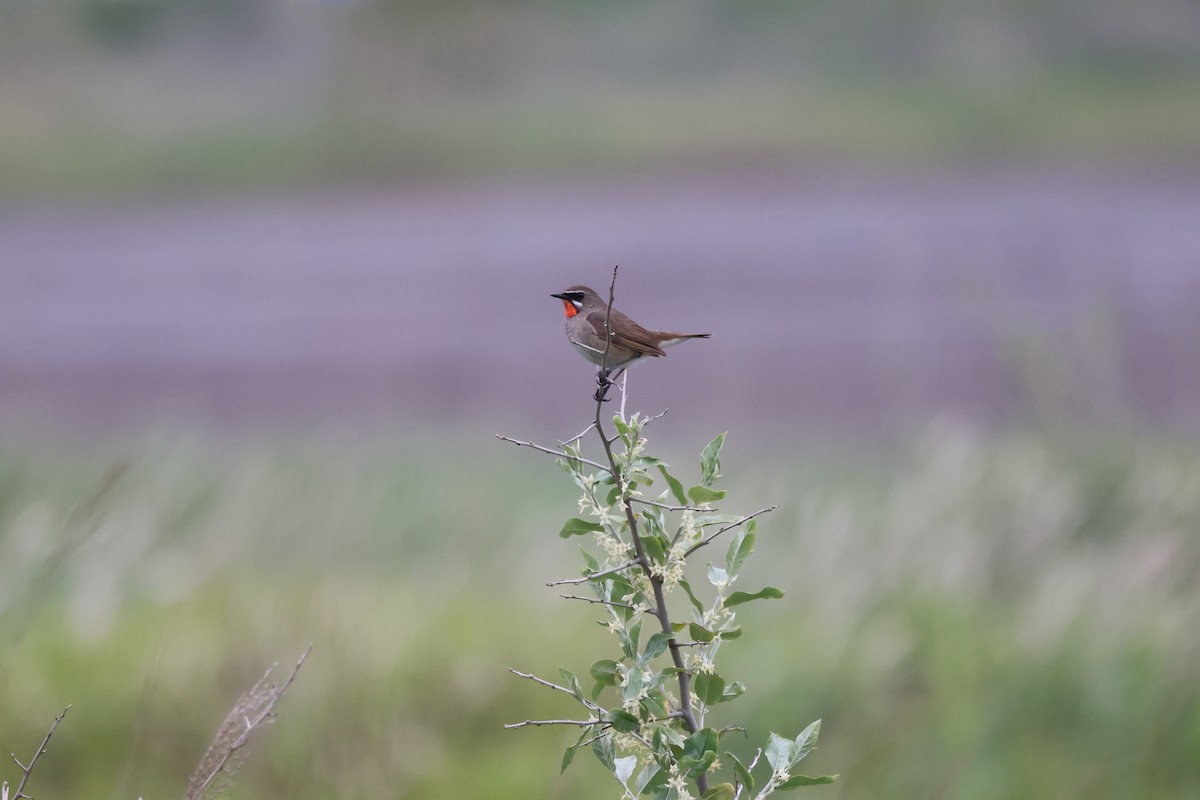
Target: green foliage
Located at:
point(961, 608)
point(645, 560)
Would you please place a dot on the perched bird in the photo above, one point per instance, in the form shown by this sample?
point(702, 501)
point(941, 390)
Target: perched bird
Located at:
point(630, 343)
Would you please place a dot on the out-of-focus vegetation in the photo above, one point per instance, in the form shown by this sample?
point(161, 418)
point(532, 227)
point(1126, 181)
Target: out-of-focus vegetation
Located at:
point(125, 95)
point(976, 618)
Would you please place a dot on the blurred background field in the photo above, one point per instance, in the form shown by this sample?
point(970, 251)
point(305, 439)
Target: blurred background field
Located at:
point(273, 273)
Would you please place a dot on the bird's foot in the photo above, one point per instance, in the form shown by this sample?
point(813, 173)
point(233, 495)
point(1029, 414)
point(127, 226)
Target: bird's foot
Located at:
point(602, 385)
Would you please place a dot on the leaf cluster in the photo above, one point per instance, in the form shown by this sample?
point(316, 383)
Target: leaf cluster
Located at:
point(649, 700)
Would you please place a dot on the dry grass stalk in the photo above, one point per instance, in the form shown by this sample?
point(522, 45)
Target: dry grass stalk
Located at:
point(253, 710)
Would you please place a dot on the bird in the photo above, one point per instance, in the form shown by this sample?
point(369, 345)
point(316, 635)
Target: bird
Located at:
point(630, 343)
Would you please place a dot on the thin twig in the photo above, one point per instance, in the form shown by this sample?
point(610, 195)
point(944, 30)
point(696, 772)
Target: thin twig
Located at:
point(552, 451)
point(666, 507)
point(599, 602)
point(612, 286)
point(596, 738)
point(708, 539)
point(26, 771)
point(659, 415)
point(578, 436)
point(583, 723)
point(594, 575)
point(553, 686)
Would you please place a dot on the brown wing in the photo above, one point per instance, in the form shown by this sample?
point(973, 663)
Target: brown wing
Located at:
point(627, 334)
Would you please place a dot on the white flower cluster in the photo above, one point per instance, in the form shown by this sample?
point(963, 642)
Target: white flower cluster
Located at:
point(689, 534)
point(698, 663)
point(678, 783)
point(615, 550)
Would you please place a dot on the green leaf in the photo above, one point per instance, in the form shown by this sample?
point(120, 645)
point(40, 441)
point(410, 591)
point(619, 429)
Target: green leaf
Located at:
point(687, 587)
point(674, 483)
point(654, 548)
point(702, 494)
point(807, 740)
point(649, 778)
point(592, 564)
point(710, 687)
point(613, 494)
point(716, 575)
point(622, 721)
point(730, 634)
point(743, 775)
point(568, 757)
point(739, 549)
point(602, 746)
point(620, 425)
point(722, 791)
point(652, 522)
point(577, 527)
point(700, 742)
point(779, 752)
point(656, 645)
point(605, 672)
point(710, 462)
point(572, 683)
point(699, 633)
point(737, 598)
point(733, 691)
point(633, 685)
point(623, 768)
point(619, 588)
point(694, 767)
point(797, 781)
point(569, 753)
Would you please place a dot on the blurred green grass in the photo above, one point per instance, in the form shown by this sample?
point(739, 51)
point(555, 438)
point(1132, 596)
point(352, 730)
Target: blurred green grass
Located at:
point(973, 616)
point(145, 96)
point(1068, 115)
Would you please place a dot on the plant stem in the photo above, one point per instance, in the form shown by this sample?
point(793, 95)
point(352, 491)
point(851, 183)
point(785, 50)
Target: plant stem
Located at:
point(660, 601)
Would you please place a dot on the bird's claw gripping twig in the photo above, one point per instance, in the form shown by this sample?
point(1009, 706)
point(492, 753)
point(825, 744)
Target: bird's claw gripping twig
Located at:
point(602, 384)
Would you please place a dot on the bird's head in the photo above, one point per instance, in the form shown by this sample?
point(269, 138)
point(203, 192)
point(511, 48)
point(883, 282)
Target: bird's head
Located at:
point(574, 299)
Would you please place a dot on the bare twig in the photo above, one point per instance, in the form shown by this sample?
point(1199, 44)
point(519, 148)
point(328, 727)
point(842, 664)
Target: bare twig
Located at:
point(552, 451)
point(666, 507)
point(708, 539)
point(594, 575)
point(582, 723)
point(599, 602)
point(577, 436)
point(659, 415)
point(253, 709)
point(587, 722)
point(553, 686)
point(26, 771)
point(607, 344)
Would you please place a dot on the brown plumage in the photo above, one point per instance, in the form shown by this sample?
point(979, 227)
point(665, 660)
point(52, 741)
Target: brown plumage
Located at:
point(631, 342)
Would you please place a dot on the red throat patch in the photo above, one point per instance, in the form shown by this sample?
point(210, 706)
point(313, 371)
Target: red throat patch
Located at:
point(569, 308)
